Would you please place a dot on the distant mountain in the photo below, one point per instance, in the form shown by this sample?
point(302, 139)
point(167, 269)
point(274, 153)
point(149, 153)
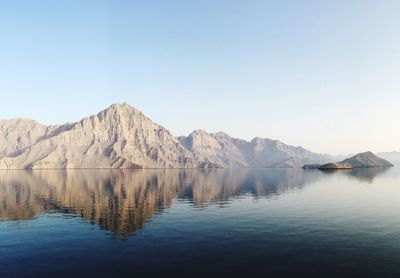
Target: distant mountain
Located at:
point(226, 151)
point(393, 157)
point(219, 148)
point(365, 160)
point(361, 160)
point(123, 137)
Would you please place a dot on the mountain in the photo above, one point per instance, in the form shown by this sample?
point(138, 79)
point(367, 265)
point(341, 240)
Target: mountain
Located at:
point(123, 137)
point(118, 137)
point(18, 134)
point(361, 160)
point(393, 157)
point(219, 147)
point(366, 160)
point(224, 150)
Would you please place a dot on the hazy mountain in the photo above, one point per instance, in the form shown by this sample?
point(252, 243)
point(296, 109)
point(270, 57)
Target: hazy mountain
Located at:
point(273, 153)
point(122, 137)
point(224, 150)
point(365, 160)
point(361, 160)
point(219, 148)
point(393, 157)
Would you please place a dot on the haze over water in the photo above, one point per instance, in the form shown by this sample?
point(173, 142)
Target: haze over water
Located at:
point(200, 222)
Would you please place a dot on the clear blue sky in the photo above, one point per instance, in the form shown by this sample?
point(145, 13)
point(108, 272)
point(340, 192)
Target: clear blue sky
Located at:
point(321, 74)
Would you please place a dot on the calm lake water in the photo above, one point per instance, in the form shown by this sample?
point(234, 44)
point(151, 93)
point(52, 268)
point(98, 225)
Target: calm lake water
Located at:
point(200, 223)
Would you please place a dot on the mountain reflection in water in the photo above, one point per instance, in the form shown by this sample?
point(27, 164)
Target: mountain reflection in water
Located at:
point(200, 223)
point(123, 200)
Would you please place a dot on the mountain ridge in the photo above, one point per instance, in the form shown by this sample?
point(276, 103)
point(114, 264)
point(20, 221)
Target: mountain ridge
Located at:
point(365, 160)
point(117, 137)
point(121, 136)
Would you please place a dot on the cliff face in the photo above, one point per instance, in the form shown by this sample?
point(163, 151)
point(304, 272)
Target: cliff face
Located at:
point(123, 137)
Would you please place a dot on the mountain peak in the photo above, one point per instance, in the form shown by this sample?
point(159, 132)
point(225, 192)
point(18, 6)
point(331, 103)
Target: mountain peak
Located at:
point(118, 112)
point(366, 159)
point(199, 132)
point(366, 153)
point(121, 106)
point(221, 133)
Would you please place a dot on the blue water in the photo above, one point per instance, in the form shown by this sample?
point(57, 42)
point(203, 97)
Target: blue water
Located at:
point(200, 223)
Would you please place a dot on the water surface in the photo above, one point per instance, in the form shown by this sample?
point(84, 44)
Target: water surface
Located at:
point(203, 223)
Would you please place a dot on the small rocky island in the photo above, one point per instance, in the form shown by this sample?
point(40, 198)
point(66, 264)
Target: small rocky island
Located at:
point(361, 160)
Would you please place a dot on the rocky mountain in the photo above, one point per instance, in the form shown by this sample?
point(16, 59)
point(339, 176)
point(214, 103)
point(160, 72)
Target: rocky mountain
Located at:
point(219, 147)
point(393, 157)
point(118, 137)
point(366, 160)
point(361, 160)
point(18, 134)
point(123, 137)
point(224, 150)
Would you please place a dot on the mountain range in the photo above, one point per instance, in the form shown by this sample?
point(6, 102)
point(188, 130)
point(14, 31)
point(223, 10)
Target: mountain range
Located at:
point(123, 137)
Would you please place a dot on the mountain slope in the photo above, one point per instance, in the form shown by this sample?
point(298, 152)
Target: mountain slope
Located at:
point(224, 150)
point(118, 137)
point(365, 160)
point(273, 153)
point(18, 134)
point(219, 148)
point(393, 157)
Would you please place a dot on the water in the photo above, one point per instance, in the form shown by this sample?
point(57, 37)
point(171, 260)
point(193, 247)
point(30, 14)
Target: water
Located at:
point(200, 223)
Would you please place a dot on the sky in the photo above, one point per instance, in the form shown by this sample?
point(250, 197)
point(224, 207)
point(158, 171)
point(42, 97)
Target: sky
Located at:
point(320, 74)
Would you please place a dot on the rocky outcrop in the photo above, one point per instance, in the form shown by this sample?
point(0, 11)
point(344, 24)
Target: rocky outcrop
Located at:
point(335, 166)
